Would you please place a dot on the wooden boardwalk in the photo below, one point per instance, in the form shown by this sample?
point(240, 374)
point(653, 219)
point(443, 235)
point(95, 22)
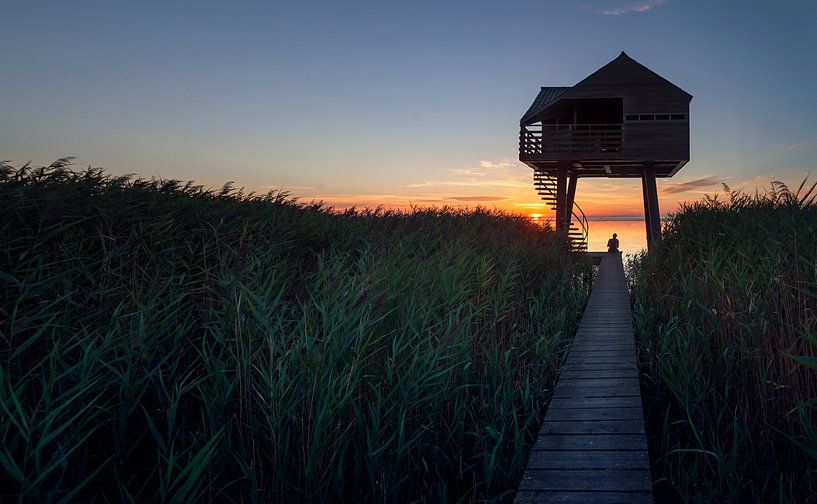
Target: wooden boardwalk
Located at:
point(592, 447)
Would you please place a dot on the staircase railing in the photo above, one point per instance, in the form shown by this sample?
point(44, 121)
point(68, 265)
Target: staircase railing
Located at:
point(546, 187)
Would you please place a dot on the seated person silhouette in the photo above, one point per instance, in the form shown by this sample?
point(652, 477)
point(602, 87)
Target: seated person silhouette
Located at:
point(612, 244)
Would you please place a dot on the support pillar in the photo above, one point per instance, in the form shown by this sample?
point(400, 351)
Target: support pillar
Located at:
point(561, 193)
point(652, 215)
point(571, 195)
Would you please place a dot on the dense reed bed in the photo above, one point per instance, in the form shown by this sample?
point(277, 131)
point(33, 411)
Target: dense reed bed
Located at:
point(161, 342)
point(726, 312)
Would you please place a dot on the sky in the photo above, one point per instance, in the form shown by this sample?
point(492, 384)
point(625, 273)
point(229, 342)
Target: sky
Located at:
point(386, 103)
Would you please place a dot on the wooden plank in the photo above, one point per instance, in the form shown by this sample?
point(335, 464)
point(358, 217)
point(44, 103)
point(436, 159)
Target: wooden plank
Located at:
point(636, 442)
point(609, 339)
point(575, 359)
point(555, 497)
point(601, 335)
point(622, 353)
point(601, 348)
point(591, 349)
point(623, 384)
point(597, 319)
point(593, 426)
point(579, 357)
point(613, 341)
point(621, 334)
point(564, 414)
point(597, 402)
point(589, 459)
point(599, 342)
point(598, 373)
point(588, 392)
point(603, 321)
point(587, 368)
point(600, 345)
point(583, 381)
point(604, 327)
point(571, 365)
point(587, 480)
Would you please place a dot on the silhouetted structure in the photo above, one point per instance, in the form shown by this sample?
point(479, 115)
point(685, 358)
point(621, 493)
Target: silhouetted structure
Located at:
point(624, 120)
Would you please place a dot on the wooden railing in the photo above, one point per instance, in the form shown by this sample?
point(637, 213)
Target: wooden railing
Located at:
point(538, 140)
point(546, 187)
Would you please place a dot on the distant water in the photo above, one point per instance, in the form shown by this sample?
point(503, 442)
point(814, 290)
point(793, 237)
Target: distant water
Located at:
point(632, 236)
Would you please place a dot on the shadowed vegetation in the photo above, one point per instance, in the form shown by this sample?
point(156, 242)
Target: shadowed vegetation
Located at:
point(163, 342)
point(726, 310)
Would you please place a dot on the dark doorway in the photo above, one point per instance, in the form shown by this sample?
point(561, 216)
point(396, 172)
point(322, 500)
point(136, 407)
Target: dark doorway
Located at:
point(587, 111)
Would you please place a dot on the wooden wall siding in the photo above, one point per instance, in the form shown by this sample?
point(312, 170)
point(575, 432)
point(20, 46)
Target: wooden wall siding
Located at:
point(653, 140)
point(661, 144)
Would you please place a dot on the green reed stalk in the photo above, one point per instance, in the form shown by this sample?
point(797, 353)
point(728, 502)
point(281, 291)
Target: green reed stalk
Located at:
point(159, 341)
point(725, 310)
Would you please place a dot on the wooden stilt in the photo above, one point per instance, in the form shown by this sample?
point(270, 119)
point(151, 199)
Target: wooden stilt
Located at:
point(571, 195)
point(561, 193)
point(646, 200)
point(652, 215)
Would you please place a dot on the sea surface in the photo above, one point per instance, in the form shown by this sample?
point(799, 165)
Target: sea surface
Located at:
point(632, 235)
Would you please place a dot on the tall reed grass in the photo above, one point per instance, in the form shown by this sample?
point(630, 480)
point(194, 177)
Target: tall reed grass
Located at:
point(726, 312)
point(162, 342)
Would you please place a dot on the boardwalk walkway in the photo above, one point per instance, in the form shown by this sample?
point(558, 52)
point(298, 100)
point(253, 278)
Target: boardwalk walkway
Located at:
point(591, 447)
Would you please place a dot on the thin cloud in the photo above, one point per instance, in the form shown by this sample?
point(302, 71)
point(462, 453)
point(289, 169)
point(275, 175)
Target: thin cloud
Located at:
point(478, 198)
point(467, 172)
point(691, 185)
point(284, 187)
point(487, 174)
point(642, 6)
point(800, 145)
point(457, 183)
point(492, 164)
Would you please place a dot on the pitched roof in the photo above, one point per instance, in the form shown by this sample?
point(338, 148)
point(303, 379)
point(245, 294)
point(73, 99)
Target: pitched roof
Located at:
point(624, 61)
point(550, 95)
point(546, 96)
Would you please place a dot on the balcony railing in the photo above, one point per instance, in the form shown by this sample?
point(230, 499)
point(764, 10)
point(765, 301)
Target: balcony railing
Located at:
point(537, 140)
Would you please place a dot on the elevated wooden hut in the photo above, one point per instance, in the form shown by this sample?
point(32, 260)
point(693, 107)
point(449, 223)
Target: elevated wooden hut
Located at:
point(623, 120)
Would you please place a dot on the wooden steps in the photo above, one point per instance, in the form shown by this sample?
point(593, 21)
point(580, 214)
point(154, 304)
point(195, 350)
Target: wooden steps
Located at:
point(577, 233)
point(592, 447)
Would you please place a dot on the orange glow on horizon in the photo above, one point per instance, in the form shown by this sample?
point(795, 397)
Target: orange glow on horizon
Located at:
point(508, 187)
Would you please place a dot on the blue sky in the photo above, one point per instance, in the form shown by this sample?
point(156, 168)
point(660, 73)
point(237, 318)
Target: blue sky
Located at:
point(381, 102)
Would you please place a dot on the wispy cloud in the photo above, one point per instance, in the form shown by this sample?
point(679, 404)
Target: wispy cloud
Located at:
point(488, 174)
point(284, 187)
point(811, 142)
point(642, 6)
point(691, 185)
point(478, 198)
point(461, 183)
point(493, 164)
point(468, 172)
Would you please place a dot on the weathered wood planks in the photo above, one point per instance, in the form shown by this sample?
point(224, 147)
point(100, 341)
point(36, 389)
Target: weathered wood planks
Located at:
point(591, 446)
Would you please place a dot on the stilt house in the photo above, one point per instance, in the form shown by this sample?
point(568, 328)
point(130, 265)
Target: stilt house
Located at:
point(622, 121)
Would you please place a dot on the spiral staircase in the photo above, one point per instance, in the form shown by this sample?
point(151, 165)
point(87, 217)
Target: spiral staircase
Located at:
point(577, 232)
